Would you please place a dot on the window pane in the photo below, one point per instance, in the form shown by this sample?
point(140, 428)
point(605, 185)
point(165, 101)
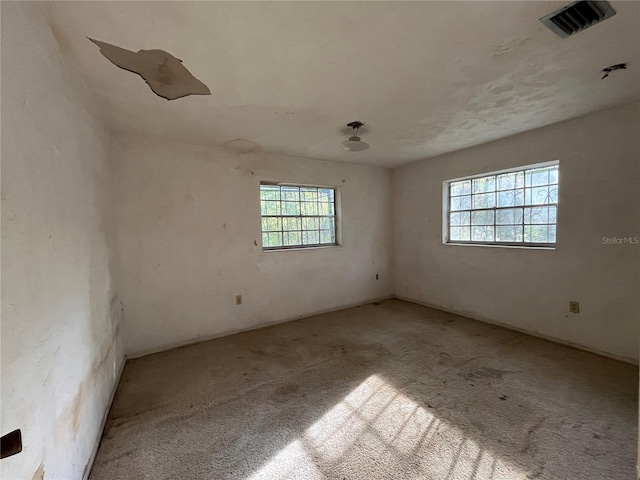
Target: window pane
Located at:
point(482, 234)
point(510, 233)
point(509, 216)
point(310, 223)
point(553, 174)
point(325, 195)
point(552, 234)
point(269, 192)
point(541, 195)
point(289, 223)
point(459, 218)
point(327, 223)
point(537, 176)
point(325, 209)
point(291, 193)
point(310, 238)
point(309, 208)
point(484, 200)
point(327, 236)
point(460, 234)
point(292, 238)
point(510, 198)
point(309, 194)
point(270, 208)
point(460, 188)
point(483, 217)
point(273, 239)
point(510, 181)
point(460, 203)
point(536, 233)
point(270, 224)
point(290, 208)
point(536, 215)
point(484, 184)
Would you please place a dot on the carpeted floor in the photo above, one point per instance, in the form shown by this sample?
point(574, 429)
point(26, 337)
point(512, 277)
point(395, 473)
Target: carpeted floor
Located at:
point(386, 391)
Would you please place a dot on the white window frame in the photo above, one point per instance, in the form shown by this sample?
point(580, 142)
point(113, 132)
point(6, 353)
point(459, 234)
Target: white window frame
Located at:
point(446, 210)
point(336, 218)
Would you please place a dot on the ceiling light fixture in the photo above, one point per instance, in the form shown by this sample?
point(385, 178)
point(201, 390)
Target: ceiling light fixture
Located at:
point(354, 144)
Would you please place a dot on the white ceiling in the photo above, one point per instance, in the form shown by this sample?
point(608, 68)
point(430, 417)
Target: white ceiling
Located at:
point(427, 77)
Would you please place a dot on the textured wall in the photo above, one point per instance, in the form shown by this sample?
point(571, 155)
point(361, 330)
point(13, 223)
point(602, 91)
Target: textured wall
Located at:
point(525, 288)
point(188, 217)
point(60, 315)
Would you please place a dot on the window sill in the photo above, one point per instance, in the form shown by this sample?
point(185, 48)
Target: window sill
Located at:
point(493, 245)
point(298, 249)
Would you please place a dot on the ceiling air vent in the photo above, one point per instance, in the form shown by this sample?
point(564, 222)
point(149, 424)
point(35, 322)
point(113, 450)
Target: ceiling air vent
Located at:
point(577, 16)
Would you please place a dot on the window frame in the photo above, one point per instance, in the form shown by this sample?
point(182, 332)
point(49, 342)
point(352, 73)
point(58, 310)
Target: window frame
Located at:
point(446, 210)
point(336, 217)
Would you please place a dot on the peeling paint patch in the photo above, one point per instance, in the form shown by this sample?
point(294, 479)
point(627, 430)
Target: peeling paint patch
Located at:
point(163, 72)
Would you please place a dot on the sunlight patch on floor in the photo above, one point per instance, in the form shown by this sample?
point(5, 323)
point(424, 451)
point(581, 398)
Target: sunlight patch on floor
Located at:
point(378, 432)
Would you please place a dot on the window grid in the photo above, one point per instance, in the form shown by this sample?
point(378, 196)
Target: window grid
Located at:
point(511, 208)
point(297, 217)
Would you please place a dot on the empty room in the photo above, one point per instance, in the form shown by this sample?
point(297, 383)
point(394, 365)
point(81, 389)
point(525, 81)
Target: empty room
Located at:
point(320, 240)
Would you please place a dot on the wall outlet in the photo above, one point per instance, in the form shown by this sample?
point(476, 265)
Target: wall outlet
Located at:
point(238, 299)
point(574, 307)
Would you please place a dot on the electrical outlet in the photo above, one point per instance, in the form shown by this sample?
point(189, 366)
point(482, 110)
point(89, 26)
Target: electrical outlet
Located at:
point(574, 307)
point(238, 299)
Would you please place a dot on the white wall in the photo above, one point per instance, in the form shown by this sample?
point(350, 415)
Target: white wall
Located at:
point(60, 352)
point(531, 289)
point(187, 219)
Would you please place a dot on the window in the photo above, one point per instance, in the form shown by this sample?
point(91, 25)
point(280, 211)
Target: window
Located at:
point(297, 216)
point(515, 207)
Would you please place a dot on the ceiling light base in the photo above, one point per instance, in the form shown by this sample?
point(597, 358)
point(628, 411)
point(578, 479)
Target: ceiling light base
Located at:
point(354, 144)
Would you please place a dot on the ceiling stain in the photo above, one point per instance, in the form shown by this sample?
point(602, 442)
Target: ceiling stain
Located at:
point(61, 38)
point(506, 47)
point(163, 72)
point(241, 145)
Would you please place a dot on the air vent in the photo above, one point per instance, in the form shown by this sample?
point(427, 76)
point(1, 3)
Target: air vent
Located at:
point(577, 16)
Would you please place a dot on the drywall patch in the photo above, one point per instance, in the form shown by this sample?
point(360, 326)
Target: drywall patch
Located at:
point(163, 72)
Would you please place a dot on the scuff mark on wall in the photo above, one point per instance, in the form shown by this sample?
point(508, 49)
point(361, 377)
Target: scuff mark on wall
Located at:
point(163, 72)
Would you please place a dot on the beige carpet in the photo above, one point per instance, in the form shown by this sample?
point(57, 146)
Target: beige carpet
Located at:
point(387, 391)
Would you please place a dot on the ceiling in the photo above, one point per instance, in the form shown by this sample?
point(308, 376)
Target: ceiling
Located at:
point(426, 77)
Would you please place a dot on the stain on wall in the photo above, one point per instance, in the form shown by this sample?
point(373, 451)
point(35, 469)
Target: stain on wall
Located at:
point(60, 318)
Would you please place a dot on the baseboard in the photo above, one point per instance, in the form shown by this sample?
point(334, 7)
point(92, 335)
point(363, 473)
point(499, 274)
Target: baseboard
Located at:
point(621, 358)
point(228, 333)
point(103, 423)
